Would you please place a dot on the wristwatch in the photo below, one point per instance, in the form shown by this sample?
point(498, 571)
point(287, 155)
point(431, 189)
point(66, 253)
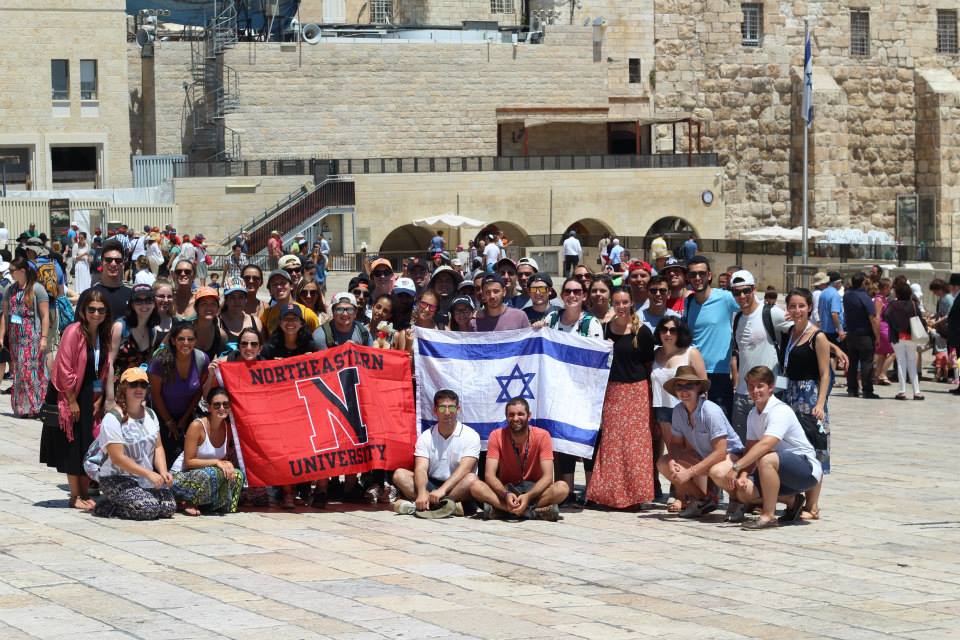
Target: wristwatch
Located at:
point(736, 467)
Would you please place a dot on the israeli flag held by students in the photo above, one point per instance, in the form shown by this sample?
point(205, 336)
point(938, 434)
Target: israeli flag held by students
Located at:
point(563, 376)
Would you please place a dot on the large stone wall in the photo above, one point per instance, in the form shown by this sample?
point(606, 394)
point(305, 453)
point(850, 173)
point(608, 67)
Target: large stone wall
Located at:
point(373, 100)
point(863, 145)
point(170, 70)
point(33, 33)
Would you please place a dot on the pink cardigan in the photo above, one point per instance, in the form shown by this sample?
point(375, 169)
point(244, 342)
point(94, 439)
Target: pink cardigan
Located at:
point(68, 371)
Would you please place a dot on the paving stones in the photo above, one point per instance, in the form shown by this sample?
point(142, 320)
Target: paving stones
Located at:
point(882, 563)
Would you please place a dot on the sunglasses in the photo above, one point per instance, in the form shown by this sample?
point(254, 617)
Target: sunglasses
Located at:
point(573, 292)
point(358, 293)
point(739, 293)
point(309, 292)
point(686, 386)
point(183, 272)
point(697, 274)
point(97, 311)
point(658, 291)
point(507, 272)
point(113, 260)
point(538, 289)
point(444, 408)
point(582, 276)
point(426, 306)
point(138, 384)
point(249, 343)
point(669, 330)
point(221, 405)
point(294, 270)
point(253, 278)
point(382, 274)
point(343, 310)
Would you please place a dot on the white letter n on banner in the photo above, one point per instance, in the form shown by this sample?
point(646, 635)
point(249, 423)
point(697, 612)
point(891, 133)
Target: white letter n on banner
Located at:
point(346, 418)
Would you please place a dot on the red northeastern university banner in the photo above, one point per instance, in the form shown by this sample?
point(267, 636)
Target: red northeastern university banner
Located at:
point(324, 414)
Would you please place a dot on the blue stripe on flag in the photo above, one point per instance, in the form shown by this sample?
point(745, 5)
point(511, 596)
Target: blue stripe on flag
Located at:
point(557, 429)
point(503, 350)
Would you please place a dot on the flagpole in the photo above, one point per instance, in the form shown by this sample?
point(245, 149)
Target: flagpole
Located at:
point(806, 142)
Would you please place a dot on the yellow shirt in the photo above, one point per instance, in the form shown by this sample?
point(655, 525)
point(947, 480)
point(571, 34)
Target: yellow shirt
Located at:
point(270, 318)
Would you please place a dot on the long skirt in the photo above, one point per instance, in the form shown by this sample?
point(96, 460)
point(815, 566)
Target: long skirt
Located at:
point(209, 489)
point(29, 370)
point(123, 497)
point(802, 397)
point(623, 466)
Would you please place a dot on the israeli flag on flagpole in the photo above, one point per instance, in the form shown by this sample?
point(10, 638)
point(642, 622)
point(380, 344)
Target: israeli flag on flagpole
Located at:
point(808, 79)
point(563, 376)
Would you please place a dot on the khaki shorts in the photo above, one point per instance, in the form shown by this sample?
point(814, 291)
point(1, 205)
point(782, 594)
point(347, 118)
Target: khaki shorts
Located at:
point(53, 331)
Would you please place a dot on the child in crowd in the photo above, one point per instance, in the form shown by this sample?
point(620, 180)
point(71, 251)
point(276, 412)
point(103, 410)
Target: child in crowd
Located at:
point(214, 282)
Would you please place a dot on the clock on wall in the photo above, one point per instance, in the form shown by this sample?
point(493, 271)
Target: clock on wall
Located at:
point(707, 197)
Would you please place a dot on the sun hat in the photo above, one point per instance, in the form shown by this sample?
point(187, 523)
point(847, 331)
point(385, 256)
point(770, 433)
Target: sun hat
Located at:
point(134, 374)
point(36, 245)
point(465, 284)
point(289, 261)
point(206, 292)
point(686, 373)
point(820, 278)
point(506, 261)
point(540, 277)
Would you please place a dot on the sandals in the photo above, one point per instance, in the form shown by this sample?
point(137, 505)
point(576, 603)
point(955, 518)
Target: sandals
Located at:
point(188, 509)
point(918, 396)
point(675, 507)
point(792, 513)
point(813, 514)
point(758, 524)
point(900, 396)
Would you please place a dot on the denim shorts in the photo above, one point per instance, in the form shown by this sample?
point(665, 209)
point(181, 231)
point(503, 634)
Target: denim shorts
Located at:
point(796, 475)
point(663, 414)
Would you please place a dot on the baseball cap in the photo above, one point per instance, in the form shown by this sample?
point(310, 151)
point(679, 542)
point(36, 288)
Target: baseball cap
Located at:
point(381, 262)
point(342, 297)
point(291, 309)
point(466, 284)
point(492, 278)
point(134, 374)
point(405, 285)
point(673, 263)
point(279, 273)
point(457, 278)
point(639, 264)
point(233, 285)
point(200, 237)
point(467, 300)
point(529, 262)
point(742, 278)
point(288, 261)
point(540, 277)
point(36, 245)
point(142, 292)
point(206, 292)
point(834, 276)
point(505, 261)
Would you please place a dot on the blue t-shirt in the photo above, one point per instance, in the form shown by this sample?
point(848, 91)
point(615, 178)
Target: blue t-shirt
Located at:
point(615, 254)
point(830, 302)
point(712, 327)
point(689, 249)
point(709, 423)
point(652, 319)
point(436, 244)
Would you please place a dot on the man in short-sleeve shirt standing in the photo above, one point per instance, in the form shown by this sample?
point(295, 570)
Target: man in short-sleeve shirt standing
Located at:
point(495, 315)
point(519, 470)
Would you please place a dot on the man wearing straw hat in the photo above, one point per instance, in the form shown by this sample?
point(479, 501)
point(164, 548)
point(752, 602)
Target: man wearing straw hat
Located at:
point(819, 282)
point(701, 446)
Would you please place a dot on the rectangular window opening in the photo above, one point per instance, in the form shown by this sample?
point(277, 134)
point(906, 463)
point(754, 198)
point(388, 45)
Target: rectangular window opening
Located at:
point(860, 33)
point(946, 31)
point(635, 76)
point(381, 11)
point(88, 79)
point(60, 79)
point(501, 6)
point(751, 29)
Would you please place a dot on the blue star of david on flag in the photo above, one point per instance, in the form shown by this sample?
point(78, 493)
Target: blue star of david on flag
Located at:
point(520, 376)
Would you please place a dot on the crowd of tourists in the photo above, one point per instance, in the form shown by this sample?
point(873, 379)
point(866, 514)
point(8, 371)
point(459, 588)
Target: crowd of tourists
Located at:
point(714, 388)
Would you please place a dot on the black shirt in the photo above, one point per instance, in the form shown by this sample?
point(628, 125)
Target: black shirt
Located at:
point(858, 308)
point(118, 298)
point(535, 316)
point(273, 350)
point(802, 361)
point(630, 364)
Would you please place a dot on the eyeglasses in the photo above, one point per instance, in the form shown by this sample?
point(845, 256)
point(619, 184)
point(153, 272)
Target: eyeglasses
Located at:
point(138, 384)
point(97, 311)
point(343, 310)
point(738, 293)
point(183, 272)
point(669, 330)
point(382, 274)
point(686, 386)
point(253, 278)
point(221, 405)
point(186, 339)
point(426, 306)
point(249, 343)
point(697, 274)
point(447, 408)
point(113, 260)
point(573, 292)
point(538, 289)
point(657, 291)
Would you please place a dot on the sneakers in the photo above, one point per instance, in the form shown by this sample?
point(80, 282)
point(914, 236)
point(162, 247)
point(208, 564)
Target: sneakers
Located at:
point(735, 512)
point(371, 495)
point(404, 507)
point(389, 494)
point(697, 508)
point(550, 514)
point(444, 509)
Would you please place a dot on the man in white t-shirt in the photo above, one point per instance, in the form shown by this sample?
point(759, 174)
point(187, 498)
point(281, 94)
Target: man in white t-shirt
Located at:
point(491, 254)
point(572, 254)
point(757, 332)
point(780, 463)
point(445, 464)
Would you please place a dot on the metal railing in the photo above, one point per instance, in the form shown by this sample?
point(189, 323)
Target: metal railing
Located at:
point(334, 192)
point(228, 168)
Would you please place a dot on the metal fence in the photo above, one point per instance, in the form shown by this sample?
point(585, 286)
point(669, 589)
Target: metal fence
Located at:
point(150, 171)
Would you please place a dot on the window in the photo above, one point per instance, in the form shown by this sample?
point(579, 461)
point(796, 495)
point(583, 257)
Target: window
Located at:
point(860, 33)
point(635, 76)
point(60, 79)
point(88, 79)
point(946, 31)
point(501, 6)
point(381, 11)
point(751, 29)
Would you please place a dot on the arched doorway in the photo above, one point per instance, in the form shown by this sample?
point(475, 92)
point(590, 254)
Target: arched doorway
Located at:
point(589, 231)
point(407, 239)
point(673, 229)
point(514, 234)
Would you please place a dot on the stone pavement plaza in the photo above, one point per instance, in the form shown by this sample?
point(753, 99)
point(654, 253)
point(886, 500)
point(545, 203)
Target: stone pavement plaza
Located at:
point(883, 563)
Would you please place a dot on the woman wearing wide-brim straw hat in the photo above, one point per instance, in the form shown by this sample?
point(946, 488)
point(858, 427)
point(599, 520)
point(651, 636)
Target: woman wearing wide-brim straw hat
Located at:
point(701, 445)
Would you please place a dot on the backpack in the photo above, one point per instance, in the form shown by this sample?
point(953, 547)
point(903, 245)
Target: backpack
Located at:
point(768, 327)
point(47, 277)
point(328, 334)
point(96, 454)
point(64, 313)
point(583, 329)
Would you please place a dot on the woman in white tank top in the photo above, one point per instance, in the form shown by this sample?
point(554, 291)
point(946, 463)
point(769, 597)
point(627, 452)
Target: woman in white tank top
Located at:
point(675, 350)
point(202, 476)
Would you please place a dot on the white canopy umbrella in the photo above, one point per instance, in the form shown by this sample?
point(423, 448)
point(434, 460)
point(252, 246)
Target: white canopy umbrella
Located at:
point(777, 232)
point(451, 220)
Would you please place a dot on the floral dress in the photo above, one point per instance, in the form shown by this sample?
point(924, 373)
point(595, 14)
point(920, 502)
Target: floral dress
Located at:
point(30, 372)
